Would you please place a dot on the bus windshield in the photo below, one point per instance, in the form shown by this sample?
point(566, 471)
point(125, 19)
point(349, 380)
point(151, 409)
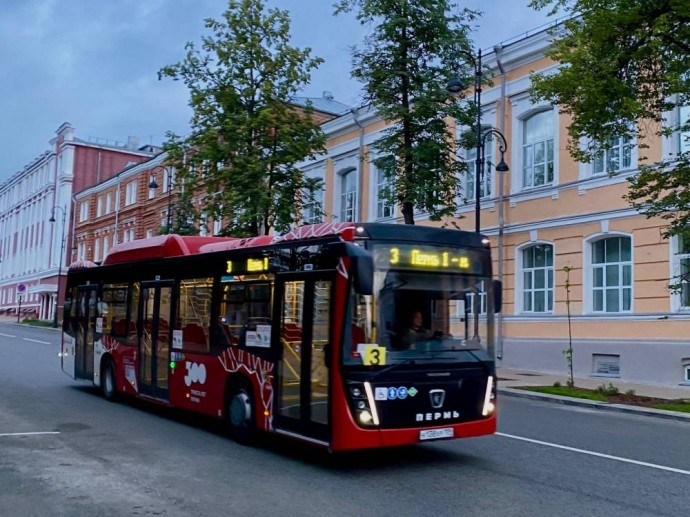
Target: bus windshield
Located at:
point(415, 314)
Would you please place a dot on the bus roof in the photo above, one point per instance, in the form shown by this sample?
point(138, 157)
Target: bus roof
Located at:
point(162, 246)
point(165, 246)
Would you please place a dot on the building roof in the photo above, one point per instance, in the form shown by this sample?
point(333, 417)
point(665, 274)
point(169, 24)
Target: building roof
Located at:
point(325, 104)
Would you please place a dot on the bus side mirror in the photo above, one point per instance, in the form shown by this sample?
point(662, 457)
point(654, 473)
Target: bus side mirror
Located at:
point(498, 296)
point(364, 274)
point(362, 267)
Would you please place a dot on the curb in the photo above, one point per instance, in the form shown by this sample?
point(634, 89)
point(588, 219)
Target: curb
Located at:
point(592, 404)
point(14, 323)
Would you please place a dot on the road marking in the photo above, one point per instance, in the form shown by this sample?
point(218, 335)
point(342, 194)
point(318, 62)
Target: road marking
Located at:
point(597, 454)
point(29, 434)
point(6, 335)
point(36, 341)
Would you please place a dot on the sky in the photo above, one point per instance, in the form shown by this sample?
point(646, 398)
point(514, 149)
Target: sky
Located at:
point(94, 63)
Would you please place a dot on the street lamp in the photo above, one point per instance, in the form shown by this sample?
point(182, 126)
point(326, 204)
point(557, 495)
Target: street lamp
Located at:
point(62, 255)
point(455, 87)
point(154, 185)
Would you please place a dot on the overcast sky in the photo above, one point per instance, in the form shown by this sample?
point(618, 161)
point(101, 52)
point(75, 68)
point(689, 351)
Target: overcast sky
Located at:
point(94, 63)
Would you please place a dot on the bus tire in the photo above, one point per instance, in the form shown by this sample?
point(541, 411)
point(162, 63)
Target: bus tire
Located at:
point(240, 415)
point(108, 386)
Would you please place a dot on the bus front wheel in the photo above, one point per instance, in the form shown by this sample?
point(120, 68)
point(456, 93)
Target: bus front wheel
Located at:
point(241, 414)
point(108, 381)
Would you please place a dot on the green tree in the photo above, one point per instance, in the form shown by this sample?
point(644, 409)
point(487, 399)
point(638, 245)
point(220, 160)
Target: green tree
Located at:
point(626, 65)
point(412, 51)
point(246, 138)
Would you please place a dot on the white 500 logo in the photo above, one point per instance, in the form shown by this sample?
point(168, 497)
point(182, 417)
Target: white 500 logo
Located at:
point(195, 373)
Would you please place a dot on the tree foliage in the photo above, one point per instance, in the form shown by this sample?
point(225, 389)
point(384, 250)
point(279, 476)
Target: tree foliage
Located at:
point(414, 48)
point(625, 73)
point(246, 138)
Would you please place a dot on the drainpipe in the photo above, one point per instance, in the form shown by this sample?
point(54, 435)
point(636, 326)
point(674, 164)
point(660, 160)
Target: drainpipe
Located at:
point(498, 49)
point(116, 239)
point(360, 179)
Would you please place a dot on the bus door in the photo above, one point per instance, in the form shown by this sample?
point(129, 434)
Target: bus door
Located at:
point(302, 335)
point(156, 317)
point(85, 331)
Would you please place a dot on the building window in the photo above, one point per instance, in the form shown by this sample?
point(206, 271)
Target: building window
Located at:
point(313, 202)
point(130, 193)
point(83, 211)
point(149, 233)
point(684, 133)
point(108, 202)
point(616, 158)
point(384, 183)
point(537, 149)
point(537, 278)
point(99, 206)
point(680, 281)
point(348, 195)
point(469, 186)
point(168, 178)
point(97, 250)
point(612, 274)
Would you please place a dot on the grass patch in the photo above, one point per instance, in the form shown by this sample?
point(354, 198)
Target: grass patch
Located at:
point(564, 391)
point(611, 394)
point(38, 323)
point(676, 405)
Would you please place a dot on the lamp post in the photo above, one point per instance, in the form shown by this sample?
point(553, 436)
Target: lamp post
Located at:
point(62, 255)
point(154, 185)
point(455, 87)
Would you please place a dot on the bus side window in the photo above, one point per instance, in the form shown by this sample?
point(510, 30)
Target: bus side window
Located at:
point(194, 313)
point(132, 338)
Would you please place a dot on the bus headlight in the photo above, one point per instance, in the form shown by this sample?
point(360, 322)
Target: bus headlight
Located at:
point(489, 407)
point(362, 402)
point(365, 417)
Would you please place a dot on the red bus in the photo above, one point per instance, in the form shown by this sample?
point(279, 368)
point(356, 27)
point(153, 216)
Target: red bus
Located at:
point(344, 335)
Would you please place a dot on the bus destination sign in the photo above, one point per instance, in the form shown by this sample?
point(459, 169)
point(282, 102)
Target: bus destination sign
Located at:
point(409, 256)
point(251, 265)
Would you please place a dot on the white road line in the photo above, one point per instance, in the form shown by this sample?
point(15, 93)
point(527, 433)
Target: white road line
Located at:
point(36, 341)
point(6, 335)
point(29, 434)
point(597, 454)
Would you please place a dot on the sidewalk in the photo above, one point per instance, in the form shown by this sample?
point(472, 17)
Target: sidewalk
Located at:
point(508, 379)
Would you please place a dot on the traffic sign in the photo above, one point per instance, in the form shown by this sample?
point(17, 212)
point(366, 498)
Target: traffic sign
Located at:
point(21, 288)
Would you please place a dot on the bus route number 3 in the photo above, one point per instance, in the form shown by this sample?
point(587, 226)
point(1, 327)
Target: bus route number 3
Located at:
point(374, 355)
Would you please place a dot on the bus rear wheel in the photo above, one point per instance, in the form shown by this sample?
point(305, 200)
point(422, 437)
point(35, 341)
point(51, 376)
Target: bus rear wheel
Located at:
point(241, 414)
point(108, 381)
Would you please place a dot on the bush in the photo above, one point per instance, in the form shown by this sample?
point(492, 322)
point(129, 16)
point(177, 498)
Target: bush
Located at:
point(630, 393)
point(556, 384)
point(608, 390)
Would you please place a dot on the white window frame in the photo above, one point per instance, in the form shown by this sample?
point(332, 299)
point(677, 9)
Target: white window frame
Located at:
point(522, 108)
point(83, 211)
point(520, 282)
point(588, 274)
point(675, 262)
point(378, 205)
point(533, 146)
point(99, 206)
point(108, 202)
point(314, 199)
point(131, 193)
point(600, 165)
point(342, 196)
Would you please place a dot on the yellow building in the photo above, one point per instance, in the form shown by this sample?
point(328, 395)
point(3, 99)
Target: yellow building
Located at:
point(546, 215)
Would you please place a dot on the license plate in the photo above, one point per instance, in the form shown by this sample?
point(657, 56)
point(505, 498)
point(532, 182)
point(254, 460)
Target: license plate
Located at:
point(435, 434)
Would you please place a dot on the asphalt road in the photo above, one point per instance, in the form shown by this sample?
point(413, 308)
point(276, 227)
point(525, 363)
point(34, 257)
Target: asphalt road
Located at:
point(100, 458)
